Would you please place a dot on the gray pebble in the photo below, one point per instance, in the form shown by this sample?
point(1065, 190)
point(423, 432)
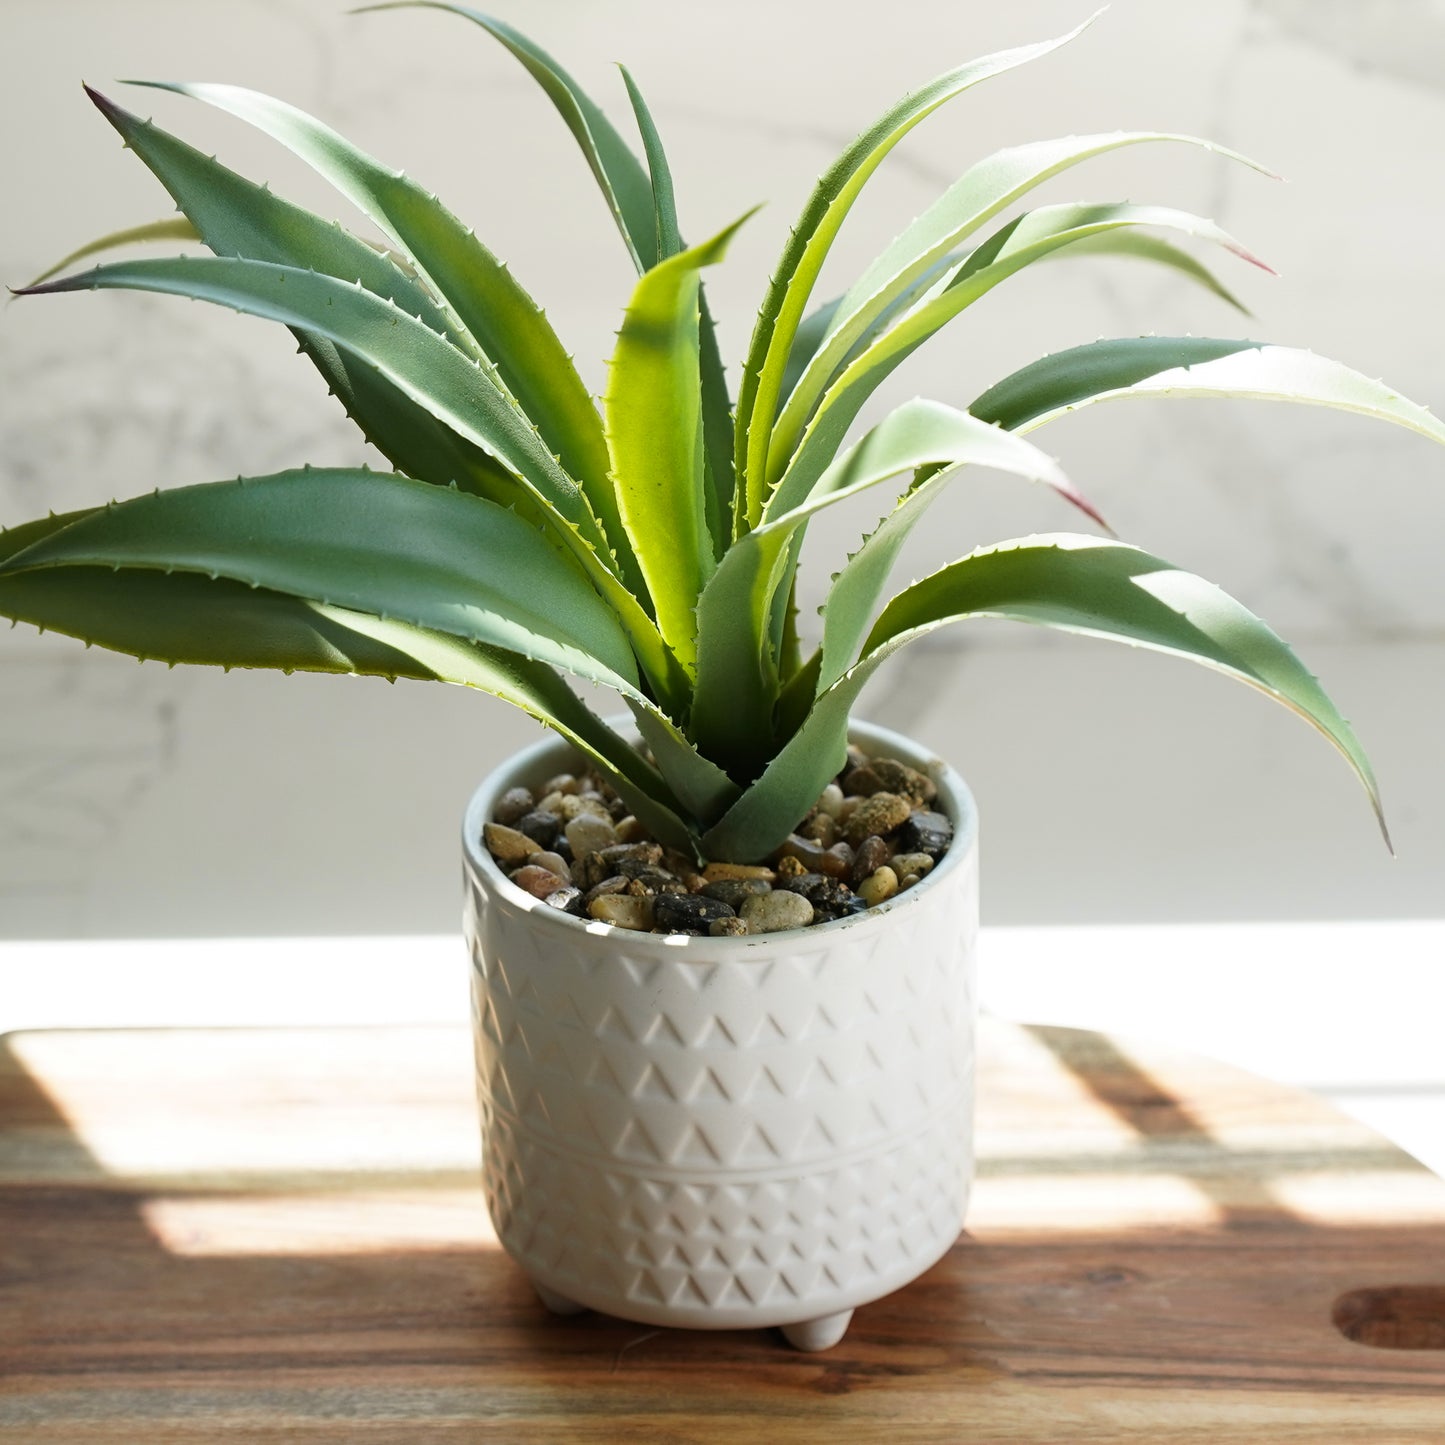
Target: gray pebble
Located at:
point(513, 804)
point(588, 833)
point(925, 832)
point(540, 826)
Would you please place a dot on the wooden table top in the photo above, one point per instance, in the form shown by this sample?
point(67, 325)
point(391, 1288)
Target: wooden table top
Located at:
point(277, 1235)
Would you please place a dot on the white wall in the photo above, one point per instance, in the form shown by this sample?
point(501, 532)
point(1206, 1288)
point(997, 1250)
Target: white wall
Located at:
point(1115, 786)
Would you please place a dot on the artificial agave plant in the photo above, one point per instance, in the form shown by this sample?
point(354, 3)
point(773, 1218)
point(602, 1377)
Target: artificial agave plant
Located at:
point(528, 536)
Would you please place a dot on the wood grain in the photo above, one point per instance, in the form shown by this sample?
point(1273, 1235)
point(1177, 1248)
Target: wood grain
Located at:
point(277, 1235)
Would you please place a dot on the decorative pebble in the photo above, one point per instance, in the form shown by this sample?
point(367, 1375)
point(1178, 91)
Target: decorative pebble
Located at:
point(616, 884)
point(907, 782)
point(734, 891)
point(688, 910)
point(624, 852)
point(813, 856)
point(574, 805)
point(623, 911)
point(775, 912)
point(575, 844)
point(872, 854)
point(540, 826)
point(880, 814)
point(554, 862)
point(821, 828)
point(925, 832)
point(588, 833)
point(513, 804)
point(878, 886)
point(714, 871)
point(507, 845)
point(539, 882)
point(567, 900)
point(905, 863)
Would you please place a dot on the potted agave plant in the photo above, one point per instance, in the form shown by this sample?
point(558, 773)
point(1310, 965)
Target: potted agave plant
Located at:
point(693, 1113)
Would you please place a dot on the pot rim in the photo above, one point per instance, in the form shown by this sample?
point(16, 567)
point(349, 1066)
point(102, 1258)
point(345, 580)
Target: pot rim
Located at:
point(531, 760)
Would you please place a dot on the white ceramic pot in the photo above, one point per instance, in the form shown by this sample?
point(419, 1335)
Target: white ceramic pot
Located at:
point(726, 1132)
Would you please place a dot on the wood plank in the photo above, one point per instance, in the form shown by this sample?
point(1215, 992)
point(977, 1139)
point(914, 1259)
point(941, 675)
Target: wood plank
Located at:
point(277, 1235)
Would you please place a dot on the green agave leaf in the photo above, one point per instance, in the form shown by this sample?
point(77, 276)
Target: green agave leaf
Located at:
point(1085, 585)
point(460, 392)
point(857, 587)
point(668, 240)
point(654, 433)
point(737, 684)
point(173, 228)
point(979, 195)
point(370, 542)
point(1023, 241)
point(1190, 366)
point(618, 173)
point(1141, 246)
point(806, 341)
point(808, 245)
point(235, 217)
point(716, 407)
point(492, 309)
point(183, 617)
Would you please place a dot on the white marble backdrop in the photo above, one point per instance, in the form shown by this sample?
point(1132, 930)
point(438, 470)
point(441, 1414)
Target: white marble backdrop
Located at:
point(136, 801)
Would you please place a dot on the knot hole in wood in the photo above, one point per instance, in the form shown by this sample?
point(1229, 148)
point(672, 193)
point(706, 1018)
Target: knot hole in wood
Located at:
point(1393, 1317)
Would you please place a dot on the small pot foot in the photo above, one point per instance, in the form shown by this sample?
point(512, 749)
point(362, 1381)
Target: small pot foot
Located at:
point(819, 1334)
point(557, 1304)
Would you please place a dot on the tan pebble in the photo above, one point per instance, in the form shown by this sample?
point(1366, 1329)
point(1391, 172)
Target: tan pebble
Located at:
point(553, 862)
point(623, 911)
point(879, 886)
point(563, 783)
point(907, 881)
point(847, 808)
point(507, 845)
point(713, 871)
point(830, 800)
point(775, 912)
point(575, 806)
point(551, 803)
point(821, 828)
point(880, 814)
point(919, 863)
point(791, 867)
point(908, 782)
point(539, 882)
point(629, 830)
point(728, 927)
point(513, 804)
